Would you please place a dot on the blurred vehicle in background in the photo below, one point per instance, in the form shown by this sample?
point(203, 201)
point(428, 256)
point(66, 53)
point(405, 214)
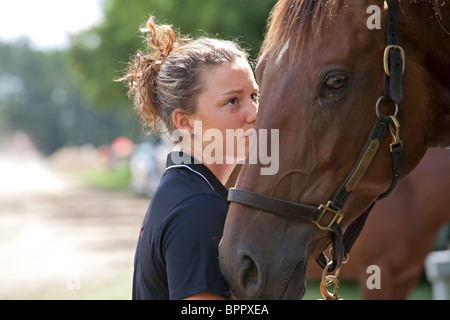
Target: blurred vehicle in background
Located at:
point(147, 165)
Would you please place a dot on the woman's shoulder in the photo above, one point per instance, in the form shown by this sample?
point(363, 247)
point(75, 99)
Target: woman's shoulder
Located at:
point(181, 190)
point(184, 183)
point(180, 181)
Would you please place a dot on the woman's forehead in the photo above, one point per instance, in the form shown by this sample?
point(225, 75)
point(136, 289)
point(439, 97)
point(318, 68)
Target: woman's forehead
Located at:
point(236, 76)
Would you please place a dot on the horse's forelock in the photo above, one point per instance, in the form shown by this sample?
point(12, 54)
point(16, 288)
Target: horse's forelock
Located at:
point(289, 18)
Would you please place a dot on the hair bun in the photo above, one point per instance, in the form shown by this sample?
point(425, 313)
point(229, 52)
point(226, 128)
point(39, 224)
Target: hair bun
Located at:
point(161, 40)
point(157, 66)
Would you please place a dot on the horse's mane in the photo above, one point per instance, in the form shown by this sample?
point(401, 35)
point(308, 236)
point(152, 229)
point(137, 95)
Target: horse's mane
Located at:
point(289, 18)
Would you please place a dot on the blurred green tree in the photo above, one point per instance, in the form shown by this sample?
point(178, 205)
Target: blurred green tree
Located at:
point(100, 54)
point(38, 96)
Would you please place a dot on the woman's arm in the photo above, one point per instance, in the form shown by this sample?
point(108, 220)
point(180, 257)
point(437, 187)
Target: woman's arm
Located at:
point(206, 296)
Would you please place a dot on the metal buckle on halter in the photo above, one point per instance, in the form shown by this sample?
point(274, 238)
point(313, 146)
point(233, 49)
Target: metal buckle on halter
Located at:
point(338, 216)
point(386, 58)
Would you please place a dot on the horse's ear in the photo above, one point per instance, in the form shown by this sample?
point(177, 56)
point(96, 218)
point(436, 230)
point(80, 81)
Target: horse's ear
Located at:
point(260, 67)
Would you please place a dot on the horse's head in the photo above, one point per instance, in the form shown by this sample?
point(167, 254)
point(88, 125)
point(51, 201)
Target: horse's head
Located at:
point(321, 75)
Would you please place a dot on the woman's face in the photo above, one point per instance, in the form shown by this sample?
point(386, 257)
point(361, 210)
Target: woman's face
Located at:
point(228, 104)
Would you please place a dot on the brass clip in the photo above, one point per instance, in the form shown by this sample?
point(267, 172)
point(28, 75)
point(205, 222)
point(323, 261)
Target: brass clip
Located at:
point(329, 280)
point(394, 127)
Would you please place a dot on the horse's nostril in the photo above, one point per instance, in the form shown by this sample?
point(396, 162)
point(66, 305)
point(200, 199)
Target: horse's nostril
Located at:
point(251, 274)
point(250, 277)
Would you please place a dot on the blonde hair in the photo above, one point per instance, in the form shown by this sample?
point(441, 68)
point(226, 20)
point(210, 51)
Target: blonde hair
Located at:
point(167, 75)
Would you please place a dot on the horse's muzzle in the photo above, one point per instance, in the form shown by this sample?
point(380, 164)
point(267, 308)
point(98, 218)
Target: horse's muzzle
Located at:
point(248, 278)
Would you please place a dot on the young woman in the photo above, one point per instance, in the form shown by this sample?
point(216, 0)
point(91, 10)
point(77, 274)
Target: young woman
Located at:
point(200, 90)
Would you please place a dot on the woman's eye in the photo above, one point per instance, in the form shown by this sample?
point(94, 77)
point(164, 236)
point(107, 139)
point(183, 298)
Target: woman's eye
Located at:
point(255, 97)
point(232, 101)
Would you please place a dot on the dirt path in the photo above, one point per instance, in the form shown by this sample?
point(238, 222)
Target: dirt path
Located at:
point(62, 240)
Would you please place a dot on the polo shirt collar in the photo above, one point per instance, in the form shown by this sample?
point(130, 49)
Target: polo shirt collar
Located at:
point(181, 160)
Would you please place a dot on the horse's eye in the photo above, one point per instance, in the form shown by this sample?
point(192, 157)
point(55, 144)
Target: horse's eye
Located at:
point(334, 84)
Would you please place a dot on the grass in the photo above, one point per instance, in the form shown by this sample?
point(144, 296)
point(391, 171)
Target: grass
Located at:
point(349, 291)
point(111, 179)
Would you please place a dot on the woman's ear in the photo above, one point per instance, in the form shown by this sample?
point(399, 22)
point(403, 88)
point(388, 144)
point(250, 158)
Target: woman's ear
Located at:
point(182, 120)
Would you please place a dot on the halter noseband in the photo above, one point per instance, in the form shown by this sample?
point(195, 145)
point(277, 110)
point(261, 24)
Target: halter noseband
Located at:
point(328, 217)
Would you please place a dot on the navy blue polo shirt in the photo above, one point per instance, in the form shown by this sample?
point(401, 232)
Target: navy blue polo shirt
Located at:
point(177, 252)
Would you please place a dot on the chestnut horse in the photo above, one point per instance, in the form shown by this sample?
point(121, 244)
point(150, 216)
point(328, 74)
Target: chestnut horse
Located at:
point(400, 231)
point(321, 72)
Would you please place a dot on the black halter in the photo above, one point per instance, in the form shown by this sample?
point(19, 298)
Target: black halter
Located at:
point(328, 217)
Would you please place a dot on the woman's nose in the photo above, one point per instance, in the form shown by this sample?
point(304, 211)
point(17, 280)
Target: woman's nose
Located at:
point(252, 111)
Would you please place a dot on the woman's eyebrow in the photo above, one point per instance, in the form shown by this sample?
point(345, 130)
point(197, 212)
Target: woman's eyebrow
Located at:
point(237, 91)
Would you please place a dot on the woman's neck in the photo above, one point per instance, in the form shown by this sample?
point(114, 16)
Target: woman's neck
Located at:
point(221, 171)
